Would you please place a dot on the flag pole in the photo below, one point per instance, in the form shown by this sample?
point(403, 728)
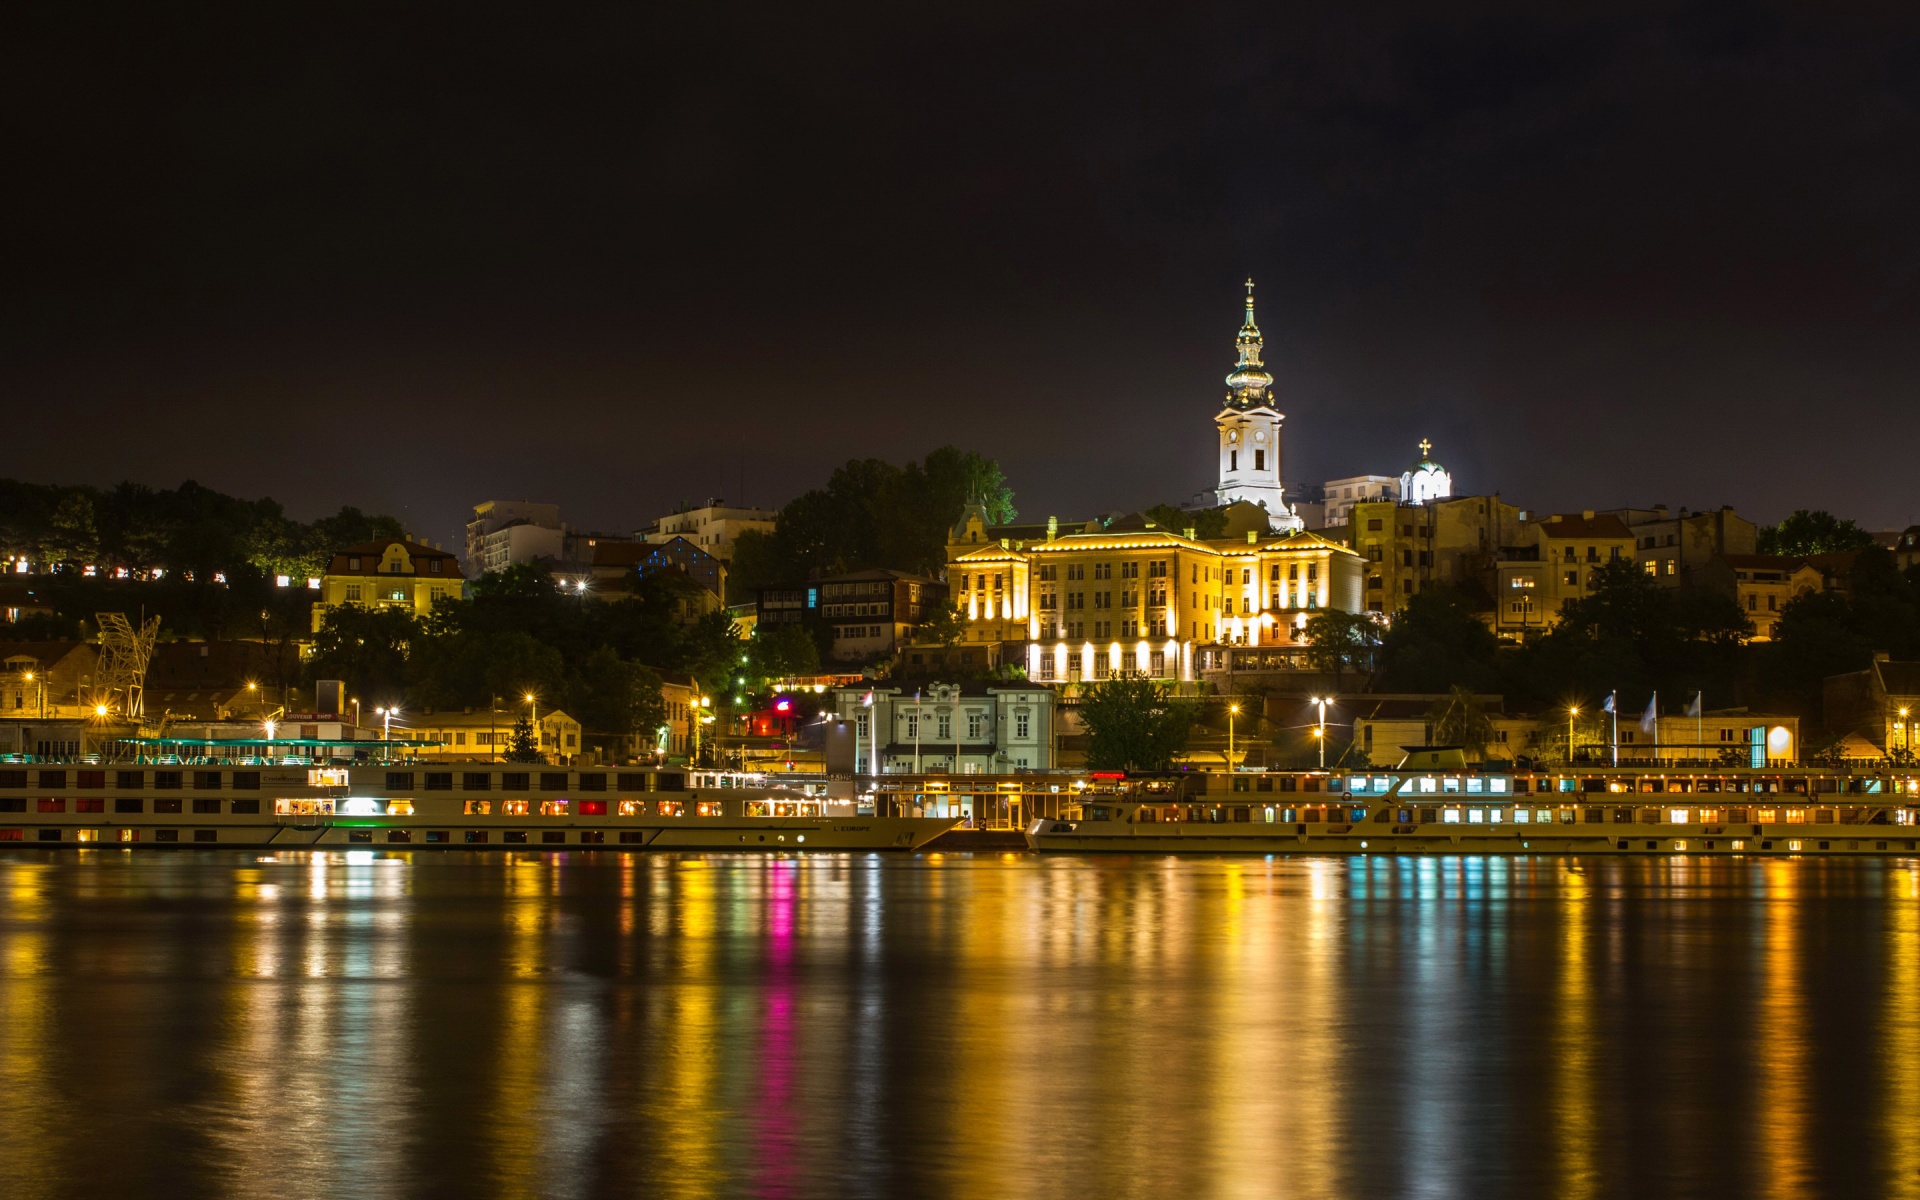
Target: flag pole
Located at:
point(1613, 707)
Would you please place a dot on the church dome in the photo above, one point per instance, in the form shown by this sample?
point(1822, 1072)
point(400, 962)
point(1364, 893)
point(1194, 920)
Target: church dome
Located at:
point(1426, 480)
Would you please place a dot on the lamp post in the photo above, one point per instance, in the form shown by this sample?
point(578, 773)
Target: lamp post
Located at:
point(533, 719)
point(270, 729)
point(1321, 732)
point(1233, 710)
point(1906, 731)
point(1573, 710)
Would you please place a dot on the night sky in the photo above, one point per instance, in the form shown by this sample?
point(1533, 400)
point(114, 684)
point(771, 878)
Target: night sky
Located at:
point(413, 259)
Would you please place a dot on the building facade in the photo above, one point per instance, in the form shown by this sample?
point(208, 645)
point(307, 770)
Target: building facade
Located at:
point(392, 573)
point(713, 526)
point(505, 532)
point(873, 613)
point(1340, 495)
point(1129, 597)
point(952, 729)
point(1553, 561)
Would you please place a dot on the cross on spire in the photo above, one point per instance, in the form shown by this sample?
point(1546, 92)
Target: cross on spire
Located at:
point(1426, 447)
point(1249, 287)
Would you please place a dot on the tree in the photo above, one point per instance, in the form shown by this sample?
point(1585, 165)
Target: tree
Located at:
point(614, 700)
point(1438, 640)
point(1206, 523)
point(368, 649)
point(944, 627)
point(1813, 532)
point(781, 652)
point(1133, 724)
point(1459, 720)
point(520, 745)
point(1341, 641)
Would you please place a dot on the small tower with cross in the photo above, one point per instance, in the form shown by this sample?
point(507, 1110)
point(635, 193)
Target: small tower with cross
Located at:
point(1426, 480)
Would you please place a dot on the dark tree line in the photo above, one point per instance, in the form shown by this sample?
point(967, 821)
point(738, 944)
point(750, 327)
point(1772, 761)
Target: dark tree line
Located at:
point(188, 530)
point(517, 633)
point(872, 514)
point(1636, 637)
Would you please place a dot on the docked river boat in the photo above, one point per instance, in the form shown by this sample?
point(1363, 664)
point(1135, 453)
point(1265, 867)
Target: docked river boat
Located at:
point(1434, 804)
point(478, 806)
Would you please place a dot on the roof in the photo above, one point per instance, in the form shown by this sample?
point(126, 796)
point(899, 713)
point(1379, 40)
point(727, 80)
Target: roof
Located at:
point(1600, 525)
point(504, 719)
point(46, 652)
point(876, 573)
point(370, 552)
point(1764, 562)
point(1899, 678)
point(968, 687)
point(208, 666)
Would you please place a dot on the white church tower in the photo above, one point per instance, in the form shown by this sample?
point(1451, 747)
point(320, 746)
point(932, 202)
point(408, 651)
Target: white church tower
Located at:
point(1250, 433)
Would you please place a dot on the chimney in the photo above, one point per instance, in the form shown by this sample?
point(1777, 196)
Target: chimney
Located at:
point(1586, 514)
point(1053, 528)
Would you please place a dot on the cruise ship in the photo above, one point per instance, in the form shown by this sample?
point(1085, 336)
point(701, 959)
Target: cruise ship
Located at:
point(476, 806)
point(1434, 803)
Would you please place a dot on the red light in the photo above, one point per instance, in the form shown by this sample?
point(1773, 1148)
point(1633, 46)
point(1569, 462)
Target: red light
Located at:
point(782, 705)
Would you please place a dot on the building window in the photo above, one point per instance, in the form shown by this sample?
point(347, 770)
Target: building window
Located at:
point(353, 593)
point(1233, 460)
point(975, 726)
point(943, 726)
point(1157, 661)
point(1259, 460)
point(1022, 725)
point(913, 725)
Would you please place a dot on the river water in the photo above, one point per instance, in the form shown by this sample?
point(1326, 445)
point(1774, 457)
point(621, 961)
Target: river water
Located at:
point(359, 1024)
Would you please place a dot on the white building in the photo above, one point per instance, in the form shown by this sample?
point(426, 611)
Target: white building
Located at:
point(1249, 429)
point(947, 728)
point(712, 527)
point(505, 532)
point(1426, 480)
point(1342, 494)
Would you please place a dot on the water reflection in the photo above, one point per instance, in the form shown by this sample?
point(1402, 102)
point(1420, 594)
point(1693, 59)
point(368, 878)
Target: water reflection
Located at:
point(376, 1024)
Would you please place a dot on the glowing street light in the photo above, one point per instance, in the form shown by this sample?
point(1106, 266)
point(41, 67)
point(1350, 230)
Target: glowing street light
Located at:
point(1320, 733)
point(1233, 710)
point(1573, 710)
point(270, 728)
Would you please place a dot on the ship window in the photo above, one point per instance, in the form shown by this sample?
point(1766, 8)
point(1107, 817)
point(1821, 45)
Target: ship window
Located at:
point(593, 808)
point(553, 808)
point(632, 808)
point(514, 837)
point(1521, 816)
point(513, 808)
point(711, 808)
point(1476, 817)
point(479, 808)
point(395, 808)
point(668, 808)
point(1450, 816)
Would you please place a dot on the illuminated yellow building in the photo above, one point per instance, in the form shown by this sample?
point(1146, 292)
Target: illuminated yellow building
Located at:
point(1127, 596)
point(387, 574)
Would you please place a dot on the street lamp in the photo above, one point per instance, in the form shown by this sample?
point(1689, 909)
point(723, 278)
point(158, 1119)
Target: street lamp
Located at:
point(1321, 731)
point(386, 729)
point(533, 719)
point(1233, 710)
point(1906, 732)
point(270, 728)
point(1573, 710)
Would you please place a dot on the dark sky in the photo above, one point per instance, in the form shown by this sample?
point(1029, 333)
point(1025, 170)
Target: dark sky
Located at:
point(416, 258)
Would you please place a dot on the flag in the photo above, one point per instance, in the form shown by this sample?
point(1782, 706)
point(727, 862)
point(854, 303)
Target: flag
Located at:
point(1608, 706)
point(1693, 709)
point(866, 701)
point(1652, 715)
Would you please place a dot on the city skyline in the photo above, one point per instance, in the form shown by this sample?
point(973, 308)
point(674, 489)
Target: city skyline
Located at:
point(1599, 258)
